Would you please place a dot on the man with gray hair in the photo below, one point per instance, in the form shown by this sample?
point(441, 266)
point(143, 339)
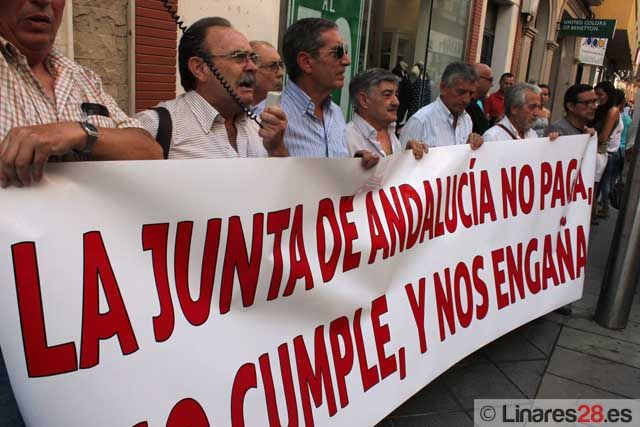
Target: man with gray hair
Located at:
point(445, 121)
point(270, 71)
point(374, 95)
point(521, 105)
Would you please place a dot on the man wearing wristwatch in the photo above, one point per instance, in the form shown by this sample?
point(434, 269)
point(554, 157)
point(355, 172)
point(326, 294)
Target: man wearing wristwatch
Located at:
point(51, 108)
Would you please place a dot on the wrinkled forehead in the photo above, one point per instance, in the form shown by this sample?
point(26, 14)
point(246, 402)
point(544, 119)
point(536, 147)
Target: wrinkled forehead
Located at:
point(266, 52)
point(331, 38)
point(532, 97)
point(587, 95)
point(225, 39)
point(388, 84)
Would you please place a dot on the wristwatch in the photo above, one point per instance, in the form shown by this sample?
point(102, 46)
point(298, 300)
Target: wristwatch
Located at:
point(92, 137)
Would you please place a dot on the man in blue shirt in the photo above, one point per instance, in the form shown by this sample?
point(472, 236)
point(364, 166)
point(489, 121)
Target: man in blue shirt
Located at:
point(316, 59)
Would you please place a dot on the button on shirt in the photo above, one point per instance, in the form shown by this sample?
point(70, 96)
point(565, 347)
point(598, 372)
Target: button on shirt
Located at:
point(198, 130)
point(306, 135)
point(496, 133)
point(433, 125)
point(362, 136)
point(24, 102)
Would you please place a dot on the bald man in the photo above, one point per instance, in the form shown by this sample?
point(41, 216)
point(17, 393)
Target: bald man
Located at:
point(475, 108)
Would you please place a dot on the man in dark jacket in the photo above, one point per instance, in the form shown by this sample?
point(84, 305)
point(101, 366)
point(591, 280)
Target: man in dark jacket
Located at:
point(476, 107)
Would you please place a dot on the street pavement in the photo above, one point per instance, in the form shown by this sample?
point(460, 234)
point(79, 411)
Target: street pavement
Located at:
point(551, 357)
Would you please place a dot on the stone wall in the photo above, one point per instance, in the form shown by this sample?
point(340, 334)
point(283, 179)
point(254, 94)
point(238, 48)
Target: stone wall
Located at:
point(101, 32)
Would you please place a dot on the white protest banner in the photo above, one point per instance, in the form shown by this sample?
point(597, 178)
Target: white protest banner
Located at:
point(279, 291)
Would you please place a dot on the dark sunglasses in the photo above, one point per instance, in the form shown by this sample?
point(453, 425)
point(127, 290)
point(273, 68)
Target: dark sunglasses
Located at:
point(339, 51)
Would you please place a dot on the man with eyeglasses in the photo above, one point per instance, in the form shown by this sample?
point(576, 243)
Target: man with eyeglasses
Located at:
point(270, 71)
point(580, 105)
point(316, 60)
point(476, 106)
point(210, 120)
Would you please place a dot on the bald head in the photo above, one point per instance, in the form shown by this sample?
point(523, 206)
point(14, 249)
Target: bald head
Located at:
point(485, 79)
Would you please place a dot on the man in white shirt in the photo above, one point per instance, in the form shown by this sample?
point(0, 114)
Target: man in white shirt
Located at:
point(445, 121)
point(208, 120)
point(522, 105)
point(374, 95)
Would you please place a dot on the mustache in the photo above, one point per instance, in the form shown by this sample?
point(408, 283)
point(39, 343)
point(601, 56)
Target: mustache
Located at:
point(247, 80)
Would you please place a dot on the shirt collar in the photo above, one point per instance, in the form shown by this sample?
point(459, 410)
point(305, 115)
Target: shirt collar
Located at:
point(55, 60)
point(369, 131)
point(205, 113)
point(507, 123)
point(301, 100)
point(448, 112)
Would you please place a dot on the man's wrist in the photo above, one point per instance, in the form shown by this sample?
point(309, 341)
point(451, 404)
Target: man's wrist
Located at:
point(276, 147)
point(279, 151)
point(88, 139)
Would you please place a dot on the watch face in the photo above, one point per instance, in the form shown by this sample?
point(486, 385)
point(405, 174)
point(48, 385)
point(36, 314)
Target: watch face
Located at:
point(91, 127)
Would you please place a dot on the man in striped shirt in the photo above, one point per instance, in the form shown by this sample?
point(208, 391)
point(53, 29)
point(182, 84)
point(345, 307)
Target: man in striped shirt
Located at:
point(52, 109)
point(208, 121)
point(445, 121)
point(316, 59)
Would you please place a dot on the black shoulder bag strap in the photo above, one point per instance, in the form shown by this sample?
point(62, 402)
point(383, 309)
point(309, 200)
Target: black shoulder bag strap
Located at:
point(507, 131)
point(165, 129)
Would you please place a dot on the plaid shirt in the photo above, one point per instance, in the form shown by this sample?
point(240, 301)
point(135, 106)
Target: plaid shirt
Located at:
point(23, 101)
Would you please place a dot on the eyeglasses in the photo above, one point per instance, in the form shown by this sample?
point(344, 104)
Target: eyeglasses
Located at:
point(240, 57)
point(339, 51)
point(489, 79)
point(588, 102)
point(273, 66)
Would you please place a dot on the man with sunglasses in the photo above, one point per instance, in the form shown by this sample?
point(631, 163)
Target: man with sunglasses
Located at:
point(210, 120)
point(316, 60)
point(270, 71)
point(476, 107)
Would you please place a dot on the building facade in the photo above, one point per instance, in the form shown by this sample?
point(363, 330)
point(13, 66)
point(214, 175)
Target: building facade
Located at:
point(132, 43)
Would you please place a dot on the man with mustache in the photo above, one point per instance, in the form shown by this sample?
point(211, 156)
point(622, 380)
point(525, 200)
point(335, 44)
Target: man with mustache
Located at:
point(207, 121)
point(374, 95)
point(51, 108)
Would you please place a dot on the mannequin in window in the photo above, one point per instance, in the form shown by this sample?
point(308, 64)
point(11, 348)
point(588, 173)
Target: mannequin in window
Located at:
point(404, 90)
point(418, 75)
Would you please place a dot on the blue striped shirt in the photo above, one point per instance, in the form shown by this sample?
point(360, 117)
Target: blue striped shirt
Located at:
point(306, 135)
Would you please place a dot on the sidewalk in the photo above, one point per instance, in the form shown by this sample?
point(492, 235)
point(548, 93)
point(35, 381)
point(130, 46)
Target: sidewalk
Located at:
point(551, 357)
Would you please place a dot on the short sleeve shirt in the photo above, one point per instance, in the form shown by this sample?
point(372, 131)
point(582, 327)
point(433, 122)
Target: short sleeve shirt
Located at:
point(24, 102)
point(199, 132)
